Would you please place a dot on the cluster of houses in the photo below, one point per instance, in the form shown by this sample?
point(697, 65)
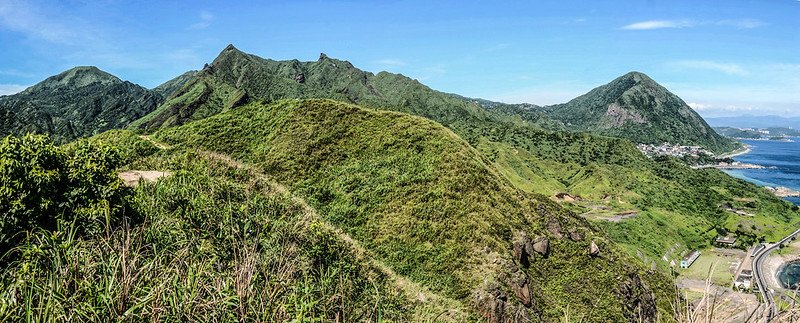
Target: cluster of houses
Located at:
point(672, 150)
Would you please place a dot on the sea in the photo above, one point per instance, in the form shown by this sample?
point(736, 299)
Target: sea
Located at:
point(782, 162)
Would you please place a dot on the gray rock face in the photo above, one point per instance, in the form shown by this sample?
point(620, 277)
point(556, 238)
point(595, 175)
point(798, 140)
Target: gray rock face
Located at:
point(555, 229)
point(594, 250)
point(542, 246)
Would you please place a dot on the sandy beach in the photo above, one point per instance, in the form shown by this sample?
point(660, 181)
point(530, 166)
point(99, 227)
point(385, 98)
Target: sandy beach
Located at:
point(737, 152)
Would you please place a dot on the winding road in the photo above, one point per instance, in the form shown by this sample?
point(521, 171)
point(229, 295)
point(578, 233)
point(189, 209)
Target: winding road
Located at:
point(758, 274)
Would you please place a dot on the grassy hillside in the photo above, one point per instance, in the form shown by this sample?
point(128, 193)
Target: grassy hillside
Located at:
point(211, 242)
point(422, 200)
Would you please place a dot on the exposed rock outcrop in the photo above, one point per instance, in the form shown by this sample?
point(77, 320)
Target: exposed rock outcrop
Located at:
point(542, 246)
point(522, 249)
point(555, 228)
point(594, 250)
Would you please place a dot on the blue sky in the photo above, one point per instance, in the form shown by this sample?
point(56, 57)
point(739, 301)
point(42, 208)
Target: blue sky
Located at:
point(723, 57)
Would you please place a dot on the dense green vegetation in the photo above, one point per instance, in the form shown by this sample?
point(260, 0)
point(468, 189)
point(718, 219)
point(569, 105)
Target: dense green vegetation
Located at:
point(45, 187)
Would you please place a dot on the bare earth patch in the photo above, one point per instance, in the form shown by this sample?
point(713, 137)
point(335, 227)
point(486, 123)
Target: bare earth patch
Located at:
point(133, 177)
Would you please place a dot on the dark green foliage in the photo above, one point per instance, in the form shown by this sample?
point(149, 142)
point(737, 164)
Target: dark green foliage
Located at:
point(42, 185)
point(80, 102)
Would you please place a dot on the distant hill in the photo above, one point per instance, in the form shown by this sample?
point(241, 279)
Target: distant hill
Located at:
point(751, 121)
point(756, 133)
point(635, 107)
point(169, 87)
point(79, 102)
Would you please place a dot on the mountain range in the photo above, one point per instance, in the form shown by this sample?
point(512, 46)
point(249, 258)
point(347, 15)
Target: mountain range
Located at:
point(434, 205)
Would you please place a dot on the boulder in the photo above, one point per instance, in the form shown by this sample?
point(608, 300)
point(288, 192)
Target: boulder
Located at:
point(576, 235)
point(521, 288)
point(555, 229)
point(300, 78)
point(542, 246)
point(492, 305)
point(594, 250)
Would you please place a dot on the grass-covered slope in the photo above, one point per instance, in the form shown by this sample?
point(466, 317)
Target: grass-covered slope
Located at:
point(211, 242)
point(420, 199)
point(80, 102)
point(635, 107)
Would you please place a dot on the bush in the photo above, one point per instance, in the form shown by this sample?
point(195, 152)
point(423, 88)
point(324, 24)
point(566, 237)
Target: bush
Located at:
point(42, 184)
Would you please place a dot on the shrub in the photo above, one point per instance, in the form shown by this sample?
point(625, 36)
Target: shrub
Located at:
point(42, 184)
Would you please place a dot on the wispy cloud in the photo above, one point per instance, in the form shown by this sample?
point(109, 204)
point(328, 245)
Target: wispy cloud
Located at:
point(8, 89)
point(747, 23)
point(658, 24)
point(727, 68)
point(742, 23)
point(391, 62)
point(20, 16)
point(205, 21)
point(497, 47)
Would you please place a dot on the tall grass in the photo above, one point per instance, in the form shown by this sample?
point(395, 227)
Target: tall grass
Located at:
point(210, 248)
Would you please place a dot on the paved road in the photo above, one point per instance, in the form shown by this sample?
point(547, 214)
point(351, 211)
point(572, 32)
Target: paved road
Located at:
point(758, 274)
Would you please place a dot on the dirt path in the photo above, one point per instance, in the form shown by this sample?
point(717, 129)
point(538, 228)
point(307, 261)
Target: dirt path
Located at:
point(133, 177)
point(412, 290)
point(158, 144)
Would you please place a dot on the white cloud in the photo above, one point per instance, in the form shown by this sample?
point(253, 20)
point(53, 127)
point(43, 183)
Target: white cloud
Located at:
point(391, 62)
point(727, 68)
point(659, 24)
point(205, 21)
point(747, 23)
point(8, 89)
point(742, 23)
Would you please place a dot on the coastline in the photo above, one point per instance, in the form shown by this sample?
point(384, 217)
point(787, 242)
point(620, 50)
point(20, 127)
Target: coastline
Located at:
point(741, 151)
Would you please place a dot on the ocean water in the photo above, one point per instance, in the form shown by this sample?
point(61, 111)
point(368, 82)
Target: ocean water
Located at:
point(782, 160)
point(789, 275)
